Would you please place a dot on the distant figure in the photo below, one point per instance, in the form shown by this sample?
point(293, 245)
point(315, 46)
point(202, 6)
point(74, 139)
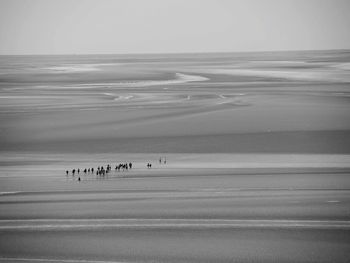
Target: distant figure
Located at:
point(92, 170)
point(67, 172)
point(130, 165)
point(73, 172)
point(164, 160)
point(78, 170)
point(79, 179)
point(160, 160)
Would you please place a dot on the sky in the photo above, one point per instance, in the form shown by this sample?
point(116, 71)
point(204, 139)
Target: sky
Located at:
point(171, 26)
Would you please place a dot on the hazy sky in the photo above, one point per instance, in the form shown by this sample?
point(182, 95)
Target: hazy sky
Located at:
point(157, 26)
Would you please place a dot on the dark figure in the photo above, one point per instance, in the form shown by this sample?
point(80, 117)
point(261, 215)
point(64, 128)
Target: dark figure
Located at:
point(67, 172)
point(92, 170)
point(130, 165)
point(73, 172)
point(89, 170)
point(164, 160)
point(78, 170)
point(160, 160)
point(85, 171)
point(79, 179)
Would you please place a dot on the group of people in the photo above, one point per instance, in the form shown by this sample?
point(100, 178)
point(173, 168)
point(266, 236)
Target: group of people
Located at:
point(101, 171)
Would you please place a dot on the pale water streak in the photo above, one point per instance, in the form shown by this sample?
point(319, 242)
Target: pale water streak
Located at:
point(7, 259)
point(180, 79)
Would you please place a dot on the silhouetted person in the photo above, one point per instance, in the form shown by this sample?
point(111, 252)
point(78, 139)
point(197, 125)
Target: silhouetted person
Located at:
point(79, 179)
point(130, 165)
point(67, 172)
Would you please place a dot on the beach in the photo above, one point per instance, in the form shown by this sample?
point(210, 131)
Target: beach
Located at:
point(178, 215)
point(250, 157)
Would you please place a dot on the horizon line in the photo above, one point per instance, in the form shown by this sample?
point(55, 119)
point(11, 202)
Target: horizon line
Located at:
point(177, 53)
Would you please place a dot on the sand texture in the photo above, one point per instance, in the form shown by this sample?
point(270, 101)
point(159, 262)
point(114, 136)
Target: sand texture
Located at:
point(257, 150)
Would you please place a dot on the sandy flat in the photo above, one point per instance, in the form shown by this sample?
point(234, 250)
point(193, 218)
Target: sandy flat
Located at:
point(257, 148)
point(177, 212)
point(178, 216)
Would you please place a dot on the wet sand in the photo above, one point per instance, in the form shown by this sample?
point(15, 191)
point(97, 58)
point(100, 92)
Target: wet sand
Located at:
point(167, 245)
point(257, 149)
point(179, 212)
